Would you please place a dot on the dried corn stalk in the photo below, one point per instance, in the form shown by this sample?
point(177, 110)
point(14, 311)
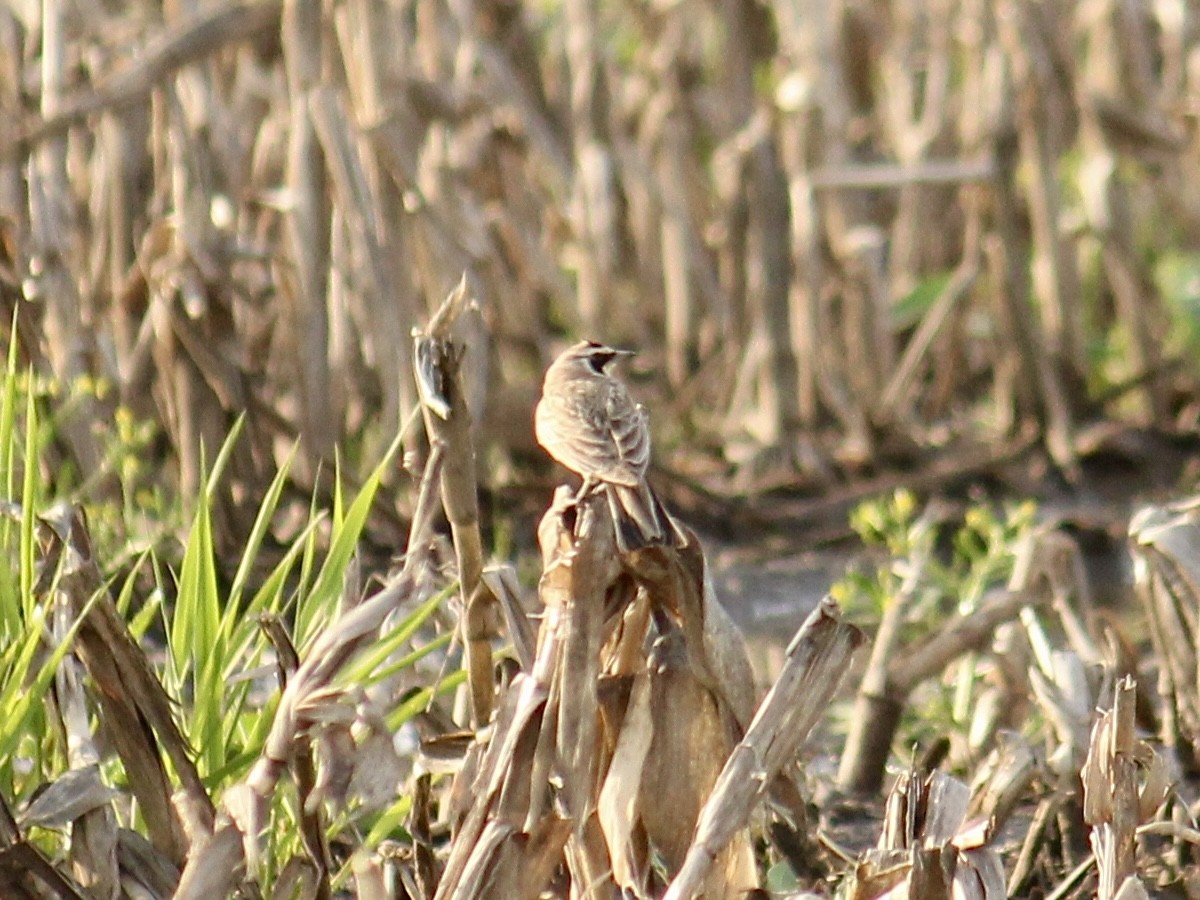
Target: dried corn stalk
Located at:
point(137, 713)
point(606, 747)
point(928, 849)
point(818, 657)
point(1124, 782)
point(1165, 543)
point(1045, 574)
point(439, 360)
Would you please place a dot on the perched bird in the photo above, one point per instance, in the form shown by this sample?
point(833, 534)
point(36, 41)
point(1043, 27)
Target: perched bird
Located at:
point(587, 421)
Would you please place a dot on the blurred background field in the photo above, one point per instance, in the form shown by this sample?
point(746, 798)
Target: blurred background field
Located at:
point(856, 244)
point(945, 246)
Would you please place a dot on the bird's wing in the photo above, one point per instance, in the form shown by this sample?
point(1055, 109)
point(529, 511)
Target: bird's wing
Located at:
point(629, 430)
point(605, 437)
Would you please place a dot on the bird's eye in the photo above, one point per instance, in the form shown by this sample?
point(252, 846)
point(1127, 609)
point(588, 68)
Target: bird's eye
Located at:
point(598, 361)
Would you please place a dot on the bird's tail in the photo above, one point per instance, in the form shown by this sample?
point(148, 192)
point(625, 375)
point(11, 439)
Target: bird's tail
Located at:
point(640, 519)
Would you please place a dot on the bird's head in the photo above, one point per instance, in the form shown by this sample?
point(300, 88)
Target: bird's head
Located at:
point(596, 356)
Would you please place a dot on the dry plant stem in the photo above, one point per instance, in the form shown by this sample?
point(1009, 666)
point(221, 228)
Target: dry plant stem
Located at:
point(135, 708)
point(574, 585)
point(439, 361)
point(10, 831)
point(502, 582)
point(959, 286)
point(513, 807)
point(872, 176)
point(216, 865)
point(959, 636)
point(772, 295)
point(677, 288)
point(1009, 257)
point(1010, 770)
point(1112, 36)
point(588, 861)
point(817, 659)
point(192, 352)
point(730, 175)
point(579, 668)
point(1055, 275)
point(818, 138)
point(1031, 846)
point(877, 715)
point(418, 826)
point(25, 874)
point(307, 226)
point(1074, 880)
point(419, 533)
point(166, 54)
point(94, 832)
point(1124, 782)
point(1163, 542)
point(369, 34)
point(12, 168)
point(683, 732)
point(865, 315)
point(912, 133)
point(1116, 856)
point(371, 881)
point(925, 831)
point(594, 206)
point(504, 84)
point(502, 765)
point(367, 266)
point(862, 765)
point(312, 822)
point(52, 225)
point(754, 268)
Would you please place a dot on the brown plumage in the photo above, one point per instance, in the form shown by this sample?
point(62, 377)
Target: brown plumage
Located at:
point(587, 421)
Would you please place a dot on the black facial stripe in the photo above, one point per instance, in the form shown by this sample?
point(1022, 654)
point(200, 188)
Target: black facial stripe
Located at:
point(600, 358)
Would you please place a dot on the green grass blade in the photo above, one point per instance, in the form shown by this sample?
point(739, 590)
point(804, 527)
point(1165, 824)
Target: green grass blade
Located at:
point(29, 502)
point(268, 599)
point(390, 822)
point(411, 659)
point(129, 586)
point(308, 560)
point(322, 600)
point(420, 699)
point(218, 469)
point(20, 699)
point(364, 667)
point(262, 523)
point(196, 643)
point(10, 580)
point(8, 417)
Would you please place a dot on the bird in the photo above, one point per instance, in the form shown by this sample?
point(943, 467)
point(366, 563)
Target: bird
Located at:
point(587, 421)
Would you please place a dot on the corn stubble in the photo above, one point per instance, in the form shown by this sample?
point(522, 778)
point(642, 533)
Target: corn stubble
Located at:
point(620, 750)
point(247, 214)
point(632, 723)
point(608, 743)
